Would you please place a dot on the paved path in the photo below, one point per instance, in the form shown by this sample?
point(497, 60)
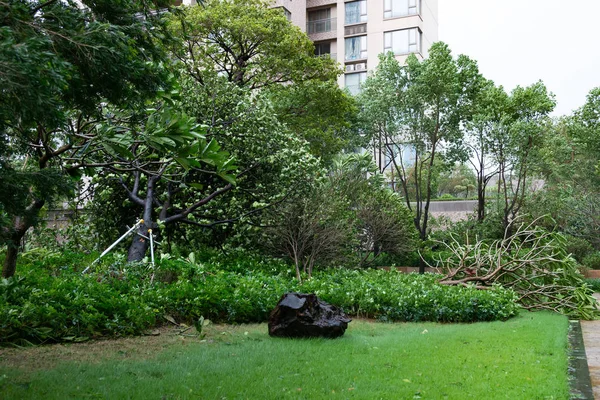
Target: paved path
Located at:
point(591, 339)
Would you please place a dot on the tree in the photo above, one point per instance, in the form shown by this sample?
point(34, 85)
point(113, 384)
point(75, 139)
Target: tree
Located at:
point(247, 74)
point(350, 217)
point(587, 124)
point(164, 146)
point(254, 46)
point(531, 261)
point(249, 43)
point(419, 109)
point(60, 60)
point(456, 181)
point(486, 130)
point(568, 157)
point(516, 148)
point(321, 113)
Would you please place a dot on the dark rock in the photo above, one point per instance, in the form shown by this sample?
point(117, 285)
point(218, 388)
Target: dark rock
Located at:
point(304, 315)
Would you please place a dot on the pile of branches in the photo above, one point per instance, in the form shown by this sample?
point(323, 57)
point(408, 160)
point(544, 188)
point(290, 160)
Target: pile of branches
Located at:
point(531, 261)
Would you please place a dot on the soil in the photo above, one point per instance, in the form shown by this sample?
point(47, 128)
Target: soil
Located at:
point(30, 359)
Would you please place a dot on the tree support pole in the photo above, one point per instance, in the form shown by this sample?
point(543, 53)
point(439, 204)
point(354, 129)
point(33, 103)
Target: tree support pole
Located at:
point(105, 252)
point(151, 254)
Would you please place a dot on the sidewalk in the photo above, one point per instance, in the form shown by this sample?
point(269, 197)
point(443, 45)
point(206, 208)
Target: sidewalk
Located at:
point(591, 339)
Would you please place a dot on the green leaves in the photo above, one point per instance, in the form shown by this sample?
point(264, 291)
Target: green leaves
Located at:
point(248, 42)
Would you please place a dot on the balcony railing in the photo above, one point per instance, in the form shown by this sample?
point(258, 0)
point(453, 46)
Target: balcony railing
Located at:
point(321, 25)
point(333, 56)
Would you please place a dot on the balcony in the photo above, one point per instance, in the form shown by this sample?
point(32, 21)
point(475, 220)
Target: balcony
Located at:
point(322, 29)
point(355, 30)
point(333, 56)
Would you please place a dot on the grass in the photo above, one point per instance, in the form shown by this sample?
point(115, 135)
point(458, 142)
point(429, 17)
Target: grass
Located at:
point(522, 358)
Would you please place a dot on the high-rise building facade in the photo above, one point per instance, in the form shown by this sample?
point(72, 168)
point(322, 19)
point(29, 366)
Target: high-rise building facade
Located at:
point(356, 32)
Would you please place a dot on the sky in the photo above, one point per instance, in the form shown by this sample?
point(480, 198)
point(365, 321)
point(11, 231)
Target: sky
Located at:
point(518, 42)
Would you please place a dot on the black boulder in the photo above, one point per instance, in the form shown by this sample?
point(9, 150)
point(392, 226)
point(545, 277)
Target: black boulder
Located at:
point(301, 315)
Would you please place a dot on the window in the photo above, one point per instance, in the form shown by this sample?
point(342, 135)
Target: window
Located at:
point(356, 12)
point(401, 8)
point(319, 21)
point(356, 48)
point(353, 82)
point(286, 12)
point(322, 48)
point(402, 42)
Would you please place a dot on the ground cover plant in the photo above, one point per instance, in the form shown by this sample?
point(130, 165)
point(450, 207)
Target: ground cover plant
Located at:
point(51, 300)
point(522, 358)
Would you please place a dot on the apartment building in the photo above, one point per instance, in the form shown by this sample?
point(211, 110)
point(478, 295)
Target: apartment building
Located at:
point(356, 32)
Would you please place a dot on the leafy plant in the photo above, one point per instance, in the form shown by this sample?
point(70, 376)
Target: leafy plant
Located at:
point(49, 303)
point(592, 261)
point(532, 262)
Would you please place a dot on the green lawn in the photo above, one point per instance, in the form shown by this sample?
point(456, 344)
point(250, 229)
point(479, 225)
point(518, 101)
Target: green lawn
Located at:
point(523, 358)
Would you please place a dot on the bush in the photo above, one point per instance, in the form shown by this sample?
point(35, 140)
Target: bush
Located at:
point(592, 261)
point(579, 248)
point(50, 303)
point(393, 296)
point(37, 308)
point(447, 196)
point(594, 284)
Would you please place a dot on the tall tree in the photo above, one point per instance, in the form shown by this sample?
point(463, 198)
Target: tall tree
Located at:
point(419, 108)
point(247, 42)
point(59, 61)
point(247, 74)
point(516, 150)
point(486, 131)
point(254, 46)
point(321, 113)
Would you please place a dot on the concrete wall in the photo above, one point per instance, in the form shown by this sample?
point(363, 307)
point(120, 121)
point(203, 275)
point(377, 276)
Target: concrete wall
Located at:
point(429, 12)
point(455, 211)
point(298, 10)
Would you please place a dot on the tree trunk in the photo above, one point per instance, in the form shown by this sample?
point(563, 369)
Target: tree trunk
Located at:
point(139, 245)
point(19, 227)
point(12, 249)
point(10, 262)
point(421, 266)
point(480, 200)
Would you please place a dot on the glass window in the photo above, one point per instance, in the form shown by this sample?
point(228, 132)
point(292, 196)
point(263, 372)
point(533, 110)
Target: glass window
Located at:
point(356, 48)
point(322, 48)
point(353, 82)
point(401, 8)
point(356, 12)
point(402, 42)
point(319, 21)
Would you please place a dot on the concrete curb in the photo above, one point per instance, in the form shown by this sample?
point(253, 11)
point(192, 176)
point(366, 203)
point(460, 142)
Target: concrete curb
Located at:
point(579, 374)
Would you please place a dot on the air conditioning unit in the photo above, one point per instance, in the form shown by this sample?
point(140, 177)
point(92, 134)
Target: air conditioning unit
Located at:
point(360, 67)
point(349, 67)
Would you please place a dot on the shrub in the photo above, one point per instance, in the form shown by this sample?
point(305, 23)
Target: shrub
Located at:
point(37, 308)
point(394, 296)
point(592, 261)
point(579, 248)
point(594, 284)
point(47, 303)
